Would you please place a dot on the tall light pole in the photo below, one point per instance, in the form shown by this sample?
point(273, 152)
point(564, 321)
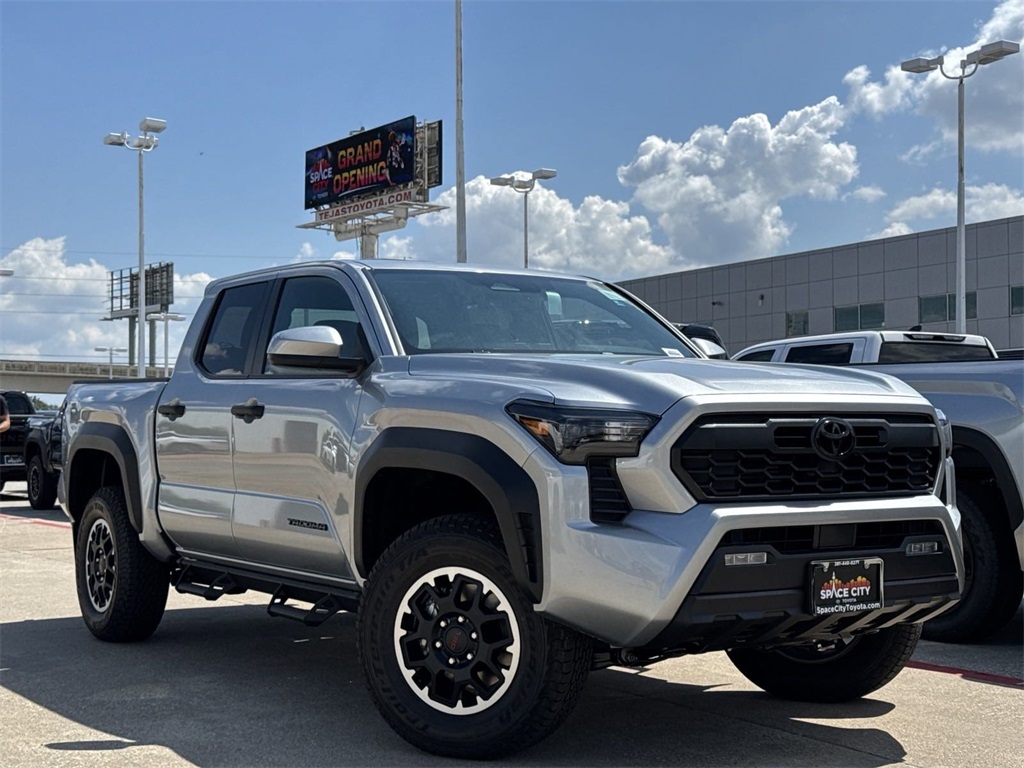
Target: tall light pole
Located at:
point(166, 317)
point(111, 350)
point(460, 148)
point(140, 144)
point(525, 186)
point(984, 55)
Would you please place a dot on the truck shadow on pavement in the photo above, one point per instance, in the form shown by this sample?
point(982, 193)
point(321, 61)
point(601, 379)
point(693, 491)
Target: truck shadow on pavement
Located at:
point(228, 686)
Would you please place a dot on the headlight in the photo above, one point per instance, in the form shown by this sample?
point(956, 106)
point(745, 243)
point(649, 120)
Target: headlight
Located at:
point(947, 432)
point(575, 434)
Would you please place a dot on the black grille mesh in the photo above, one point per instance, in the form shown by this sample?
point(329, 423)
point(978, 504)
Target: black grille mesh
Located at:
point(608, 502)
point(771, 456)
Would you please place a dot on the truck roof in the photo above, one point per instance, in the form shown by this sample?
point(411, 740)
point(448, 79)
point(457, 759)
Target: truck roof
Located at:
point(393, 265)
point(966, 339)
point(873, 342)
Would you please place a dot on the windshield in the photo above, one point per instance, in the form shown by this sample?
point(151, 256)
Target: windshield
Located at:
point(479, 312)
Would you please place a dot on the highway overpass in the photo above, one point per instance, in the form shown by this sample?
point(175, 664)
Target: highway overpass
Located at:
point(55, 377)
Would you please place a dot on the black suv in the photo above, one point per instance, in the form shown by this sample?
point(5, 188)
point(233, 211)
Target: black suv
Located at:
point(43, 457)
point(12, 442)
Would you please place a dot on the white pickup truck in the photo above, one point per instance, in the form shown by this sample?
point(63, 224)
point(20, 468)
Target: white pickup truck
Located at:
point(984, 399)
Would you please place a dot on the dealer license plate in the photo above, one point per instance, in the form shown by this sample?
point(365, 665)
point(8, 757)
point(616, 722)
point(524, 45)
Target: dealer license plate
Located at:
point(846, 586)
point(13, 459)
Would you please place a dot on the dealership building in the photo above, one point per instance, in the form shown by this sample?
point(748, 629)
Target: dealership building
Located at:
point(894, 283)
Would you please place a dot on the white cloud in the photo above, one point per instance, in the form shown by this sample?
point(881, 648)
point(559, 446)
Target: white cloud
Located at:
point(893, 230)
point(52, 308)
point(981, 203)
point(718, 194)
point(599, 237)
point(876, 99)
point(868, 194)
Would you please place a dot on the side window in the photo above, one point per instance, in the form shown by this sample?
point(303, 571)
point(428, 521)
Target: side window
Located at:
point(761, 356)
point(821, 354)
point(234, 327)
point(19, 405)
point(315, 301)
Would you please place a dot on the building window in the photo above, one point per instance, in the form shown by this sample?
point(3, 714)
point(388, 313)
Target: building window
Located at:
point(970, 299)
point(1016, 300)
point(932, 309)
point(847, 319)
point(872, 315)
point(859, 317)
point(796, 323)
point(942, 307)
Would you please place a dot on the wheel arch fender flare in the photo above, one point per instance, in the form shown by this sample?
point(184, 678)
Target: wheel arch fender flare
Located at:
point(504, 484)
point(113, 441)
point(1006, 482)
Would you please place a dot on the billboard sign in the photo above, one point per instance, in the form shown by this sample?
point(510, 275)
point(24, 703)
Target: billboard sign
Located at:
point(370, 161)
point(368, 205)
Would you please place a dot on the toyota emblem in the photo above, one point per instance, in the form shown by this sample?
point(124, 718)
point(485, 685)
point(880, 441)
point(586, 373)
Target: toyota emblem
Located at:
point(833, 438)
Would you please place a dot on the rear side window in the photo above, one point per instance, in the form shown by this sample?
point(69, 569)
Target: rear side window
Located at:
point(908, 352)
point(233, 330)
point(18, 405)
point(821, 354)
point(761, 356)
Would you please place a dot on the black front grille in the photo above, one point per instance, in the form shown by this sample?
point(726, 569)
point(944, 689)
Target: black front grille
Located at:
point(773, 456)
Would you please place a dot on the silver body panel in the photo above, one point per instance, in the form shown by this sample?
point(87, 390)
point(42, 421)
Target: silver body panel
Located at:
point(276, 494)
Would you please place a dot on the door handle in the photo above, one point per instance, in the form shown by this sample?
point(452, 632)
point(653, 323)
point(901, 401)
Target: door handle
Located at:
point(248, 411)
point(172, 410)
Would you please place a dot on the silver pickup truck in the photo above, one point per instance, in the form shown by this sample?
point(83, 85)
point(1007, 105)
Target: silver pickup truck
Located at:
point(514, 478)
point(983, 398)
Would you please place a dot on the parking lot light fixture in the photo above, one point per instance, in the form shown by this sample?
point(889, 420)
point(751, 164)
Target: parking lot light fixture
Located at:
point(167, 317)
point(146, 142)
point(525, 186)
point(111, 351)
point(987, 54)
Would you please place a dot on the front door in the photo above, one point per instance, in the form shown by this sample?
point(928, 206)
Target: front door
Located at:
point(292, 446)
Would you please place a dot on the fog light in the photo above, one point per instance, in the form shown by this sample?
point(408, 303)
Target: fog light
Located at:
point(747, 558)
point(922, 548)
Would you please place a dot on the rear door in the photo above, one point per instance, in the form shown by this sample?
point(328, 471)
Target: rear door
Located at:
point(194, 423)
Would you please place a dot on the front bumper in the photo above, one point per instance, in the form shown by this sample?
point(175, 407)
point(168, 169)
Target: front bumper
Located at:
point(769, 605)
point(10, 473)
point(657, 580)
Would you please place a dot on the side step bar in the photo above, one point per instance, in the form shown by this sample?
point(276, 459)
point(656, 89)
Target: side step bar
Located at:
point(211, 581)
point(321, 611)
point(221, 584)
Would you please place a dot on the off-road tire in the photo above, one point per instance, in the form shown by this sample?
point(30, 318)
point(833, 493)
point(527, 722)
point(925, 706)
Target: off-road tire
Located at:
point(849, 671)
point(122, 588)
point(403, 615)
point(993, 585)
point(42, 486)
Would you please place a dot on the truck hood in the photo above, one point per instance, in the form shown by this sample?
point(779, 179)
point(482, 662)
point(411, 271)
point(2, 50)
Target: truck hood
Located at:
point(653, 384)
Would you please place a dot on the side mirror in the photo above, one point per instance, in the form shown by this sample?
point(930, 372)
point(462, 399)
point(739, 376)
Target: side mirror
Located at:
point(710, 349)
point(314, 346)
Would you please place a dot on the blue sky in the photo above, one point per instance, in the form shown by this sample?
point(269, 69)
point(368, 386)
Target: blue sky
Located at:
point(684, 134)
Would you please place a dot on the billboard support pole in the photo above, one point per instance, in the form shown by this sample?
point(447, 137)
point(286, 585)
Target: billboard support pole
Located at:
point(368, 245)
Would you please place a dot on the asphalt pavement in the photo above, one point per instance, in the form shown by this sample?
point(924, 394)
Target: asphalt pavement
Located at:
point(223, 684)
